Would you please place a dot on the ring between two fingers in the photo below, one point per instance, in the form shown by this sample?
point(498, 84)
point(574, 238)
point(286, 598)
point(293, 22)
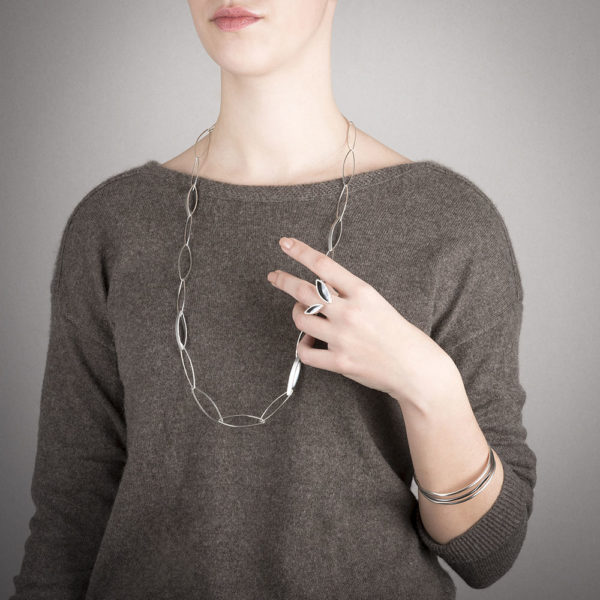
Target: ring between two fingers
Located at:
point(325, 295)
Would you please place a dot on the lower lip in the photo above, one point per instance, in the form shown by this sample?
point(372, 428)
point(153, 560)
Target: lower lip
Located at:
point(234, 23)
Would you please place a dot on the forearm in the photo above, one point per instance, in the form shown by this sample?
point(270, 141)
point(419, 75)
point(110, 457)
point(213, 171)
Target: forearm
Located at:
point(448, 451)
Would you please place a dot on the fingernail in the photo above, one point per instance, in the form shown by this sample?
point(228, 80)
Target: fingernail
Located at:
point(286, 243)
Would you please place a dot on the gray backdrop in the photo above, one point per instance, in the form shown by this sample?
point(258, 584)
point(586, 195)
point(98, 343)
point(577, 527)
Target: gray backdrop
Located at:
point(505, 92)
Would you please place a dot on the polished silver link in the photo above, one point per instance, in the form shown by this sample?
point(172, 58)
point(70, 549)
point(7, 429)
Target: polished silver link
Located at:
point(184, 268)
point(330, 245)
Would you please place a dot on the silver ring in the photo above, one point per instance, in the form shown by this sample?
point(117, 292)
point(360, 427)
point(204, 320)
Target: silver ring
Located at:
point(324, 294)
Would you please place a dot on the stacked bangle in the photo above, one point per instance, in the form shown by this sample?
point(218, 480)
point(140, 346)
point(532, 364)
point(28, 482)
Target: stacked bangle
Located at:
point(478, 486)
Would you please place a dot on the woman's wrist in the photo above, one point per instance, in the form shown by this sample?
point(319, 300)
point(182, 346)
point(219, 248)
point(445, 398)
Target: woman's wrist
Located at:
point(438, 382)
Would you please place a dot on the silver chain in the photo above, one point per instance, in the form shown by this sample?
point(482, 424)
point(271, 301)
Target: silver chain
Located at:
point(181, 331)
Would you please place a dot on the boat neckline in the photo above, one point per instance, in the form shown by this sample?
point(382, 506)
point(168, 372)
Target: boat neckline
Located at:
point(282, 192)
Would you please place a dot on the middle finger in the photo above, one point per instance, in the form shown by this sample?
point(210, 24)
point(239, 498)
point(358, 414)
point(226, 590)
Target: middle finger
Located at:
point(303, 291)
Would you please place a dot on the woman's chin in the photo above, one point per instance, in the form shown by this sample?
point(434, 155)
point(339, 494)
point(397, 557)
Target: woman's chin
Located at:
point(239, 62)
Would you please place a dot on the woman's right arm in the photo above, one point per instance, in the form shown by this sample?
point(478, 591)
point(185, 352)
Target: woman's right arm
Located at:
point(81, 442)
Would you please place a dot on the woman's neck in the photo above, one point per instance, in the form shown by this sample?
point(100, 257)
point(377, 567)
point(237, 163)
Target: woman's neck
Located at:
point(265, 134)
point(282, 127)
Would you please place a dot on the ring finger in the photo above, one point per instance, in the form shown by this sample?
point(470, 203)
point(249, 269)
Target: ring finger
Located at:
point(313, 325)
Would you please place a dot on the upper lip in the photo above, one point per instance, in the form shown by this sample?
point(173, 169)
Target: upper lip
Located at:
point(233, 11)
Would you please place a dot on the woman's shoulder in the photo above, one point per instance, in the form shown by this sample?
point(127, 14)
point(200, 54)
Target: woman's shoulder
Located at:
point(110, 194)
point(453, 200)
point(451, 185)
point(468, 224)
point(96, 222)
point(439, 186)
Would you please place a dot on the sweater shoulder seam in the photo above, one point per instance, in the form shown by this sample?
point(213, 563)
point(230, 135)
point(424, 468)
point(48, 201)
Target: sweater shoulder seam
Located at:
point(487, 200)
point(64, 315)
point(84, 201)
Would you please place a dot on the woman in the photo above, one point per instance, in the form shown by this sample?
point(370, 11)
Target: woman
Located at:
point(171, 465)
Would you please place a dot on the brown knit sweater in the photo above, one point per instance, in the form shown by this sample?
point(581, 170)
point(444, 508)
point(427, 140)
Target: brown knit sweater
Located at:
point(139, 495)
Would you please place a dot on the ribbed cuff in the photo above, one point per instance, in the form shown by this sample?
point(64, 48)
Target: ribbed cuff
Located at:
point(505, 521)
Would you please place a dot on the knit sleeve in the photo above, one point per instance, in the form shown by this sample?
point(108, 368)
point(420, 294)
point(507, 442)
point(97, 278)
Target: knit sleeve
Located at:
point(81, 445)
point(478, 325)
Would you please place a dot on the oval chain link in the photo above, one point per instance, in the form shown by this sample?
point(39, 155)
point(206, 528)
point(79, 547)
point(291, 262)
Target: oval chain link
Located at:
point(184, 268)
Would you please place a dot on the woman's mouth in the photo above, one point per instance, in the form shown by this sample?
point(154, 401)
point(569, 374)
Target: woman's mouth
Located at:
point(234, 23)
point(232, 18)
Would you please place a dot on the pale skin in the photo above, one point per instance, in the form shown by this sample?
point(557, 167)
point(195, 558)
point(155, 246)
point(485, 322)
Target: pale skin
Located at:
point(279, 124)
point(369, 341)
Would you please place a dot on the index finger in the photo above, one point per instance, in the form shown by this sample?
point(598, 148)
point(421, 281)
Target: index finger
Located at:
point(344, 281)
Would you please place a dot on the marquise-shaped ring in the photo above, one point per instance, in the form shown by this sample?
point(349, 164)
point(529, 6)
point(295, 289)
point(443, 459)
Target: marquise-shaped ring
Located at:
point(324, 294)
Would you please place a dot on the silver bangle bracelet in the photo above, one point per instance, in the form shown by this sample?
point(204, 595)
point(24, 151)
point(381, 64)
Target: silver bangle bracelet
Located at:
point(480, 484)
point(487, 466)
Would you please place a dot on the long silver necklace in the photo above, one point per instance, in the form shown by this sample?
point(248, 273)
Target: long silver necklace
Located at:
point(211, 410)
